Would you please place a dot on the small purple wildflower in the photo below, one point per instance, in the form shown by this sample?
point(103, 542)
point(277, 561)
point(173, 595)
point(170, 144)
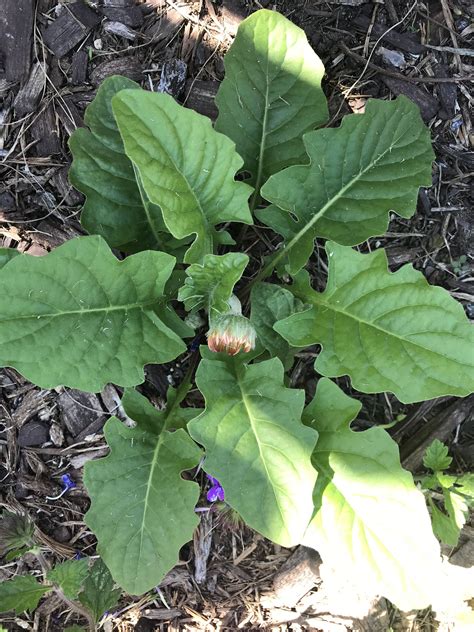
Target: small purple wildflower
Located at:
point(216, 492)
point(68, 482)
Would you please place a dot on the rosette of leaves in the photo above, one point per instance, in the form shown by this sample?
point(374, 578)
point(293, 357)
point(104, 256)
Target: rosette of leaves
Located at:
point(161, 182)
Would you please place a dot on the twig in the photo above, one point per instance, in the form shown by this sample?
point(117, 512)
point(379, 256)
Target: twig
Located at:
point(397, 75)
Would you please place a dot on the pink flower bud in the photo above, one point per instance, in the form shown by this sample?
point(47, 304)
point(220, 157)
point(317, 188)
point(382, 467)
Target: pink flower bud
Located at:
point(231, 333)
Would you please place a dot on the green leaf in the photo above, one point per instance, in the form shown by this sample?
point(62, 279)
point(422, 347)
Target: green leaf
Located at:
point(186, 167)
point(99, 594)
point(7, 254)
point(370, 519)
point(69, 576)
point(444, 528)
point(115, 208)
point(210, 285)
point(142, 510)
point(256, 445)
point(436, 457)
point(387, 331)
point(372, 164)
point(81, 318)
point(74, 628)
point(21, 593)
point(269, 304)
point(271, 94)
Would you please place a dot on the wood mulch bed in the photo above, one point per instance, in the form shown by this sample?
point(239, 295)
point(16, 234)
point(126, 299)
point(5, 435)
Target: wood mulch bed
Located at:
point(53, 56)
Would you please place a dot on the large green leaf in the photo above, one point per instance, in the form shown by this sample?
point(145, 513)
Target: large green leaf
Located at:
point(21, 593)
point(371, 521)
point(142, 511)
point(186, 167)
point(81, 318)
point(99, 594)
point(115, 208)
point(69, 576)
point(7, 254)
point(372, 164)
point(269, 304)
point(271, 94)
point(210, 285)
point(256, 445)
point(387, 331)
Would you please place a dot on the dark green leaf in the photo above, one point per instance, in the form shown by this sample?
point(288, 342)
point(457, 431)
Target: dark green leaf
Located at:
point(99, 594)
point(21, 593)
point(69, 576)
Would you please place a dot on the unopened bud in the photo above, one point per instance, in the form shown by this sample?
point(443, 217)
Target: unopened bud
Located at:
point(231, 333)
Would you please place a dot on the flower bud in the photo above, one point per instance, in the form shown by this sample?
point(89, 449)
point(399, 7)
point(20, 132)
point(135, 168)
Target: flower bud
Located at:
point(231, 333)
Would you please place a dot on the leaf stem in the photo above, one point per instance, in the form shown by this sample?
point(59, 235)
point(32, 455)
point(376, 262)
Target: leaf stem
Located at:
point(76, 607)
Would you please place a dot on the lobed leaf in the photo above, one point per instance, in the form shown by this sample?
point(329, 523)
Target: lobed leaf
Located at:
point(116, 207)
point(142, 510)
point(99, 594)
point(21, 593)
point(372, 164)
point(387, 331)
point(86, 318)
point(271, 94)
point(256, 445)
point(186, 167)
point(370, 518)
point(69, 576)
point(269, 304)
point(209, 285)
point(436, 457)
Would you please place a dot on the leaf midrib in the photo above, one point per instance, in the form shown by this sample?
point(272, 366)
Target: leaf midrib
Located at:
point(300, 234)
point(94, 310)
point(319, 301)
point(262, 458)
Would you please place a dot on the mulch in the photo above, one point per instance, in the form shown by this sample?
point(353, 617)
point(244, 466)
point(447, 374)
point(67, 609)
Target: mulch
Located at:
point(53, 56)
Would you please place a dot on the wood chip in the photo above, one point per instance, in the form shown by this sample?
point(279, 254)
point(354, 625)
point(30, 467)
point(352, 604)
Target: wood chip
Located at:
point(27, 98)
point(79, 63)
point(121, 30)
point(124, 11)
point(427, 103)
point(402, 41)
point(79, 410)
point(126, 66)
point(71, 27)
point(201, 96)
point(45, 131)
point(297, 576)
point(16, 27)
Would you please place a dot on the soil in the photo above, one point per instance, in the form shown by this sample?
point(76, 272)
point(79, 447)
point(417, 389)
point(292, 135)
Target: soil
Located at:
point(53, 55)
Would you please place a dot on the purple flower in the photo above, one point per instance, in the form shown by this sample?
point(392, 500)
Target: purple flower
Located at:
point(67, 482)
point(216, 492)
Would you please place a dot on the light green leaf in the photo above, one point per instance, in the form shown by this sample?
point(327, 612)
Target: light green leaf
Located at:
point(370, 519)
point(210, 285)
point(81, 318)
point(271, 94)
point(116, 208)
point(186, 167)
point(7, 254)
point(444, 528)
point(465, 486)
point(387, 331)
point(256, 445)
point(436, 457)
point(142, 510)
point(269, 304)
point(99, 594)
point(74, 628)
point(69, 576)
point(372, 164)
point(21, 593)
